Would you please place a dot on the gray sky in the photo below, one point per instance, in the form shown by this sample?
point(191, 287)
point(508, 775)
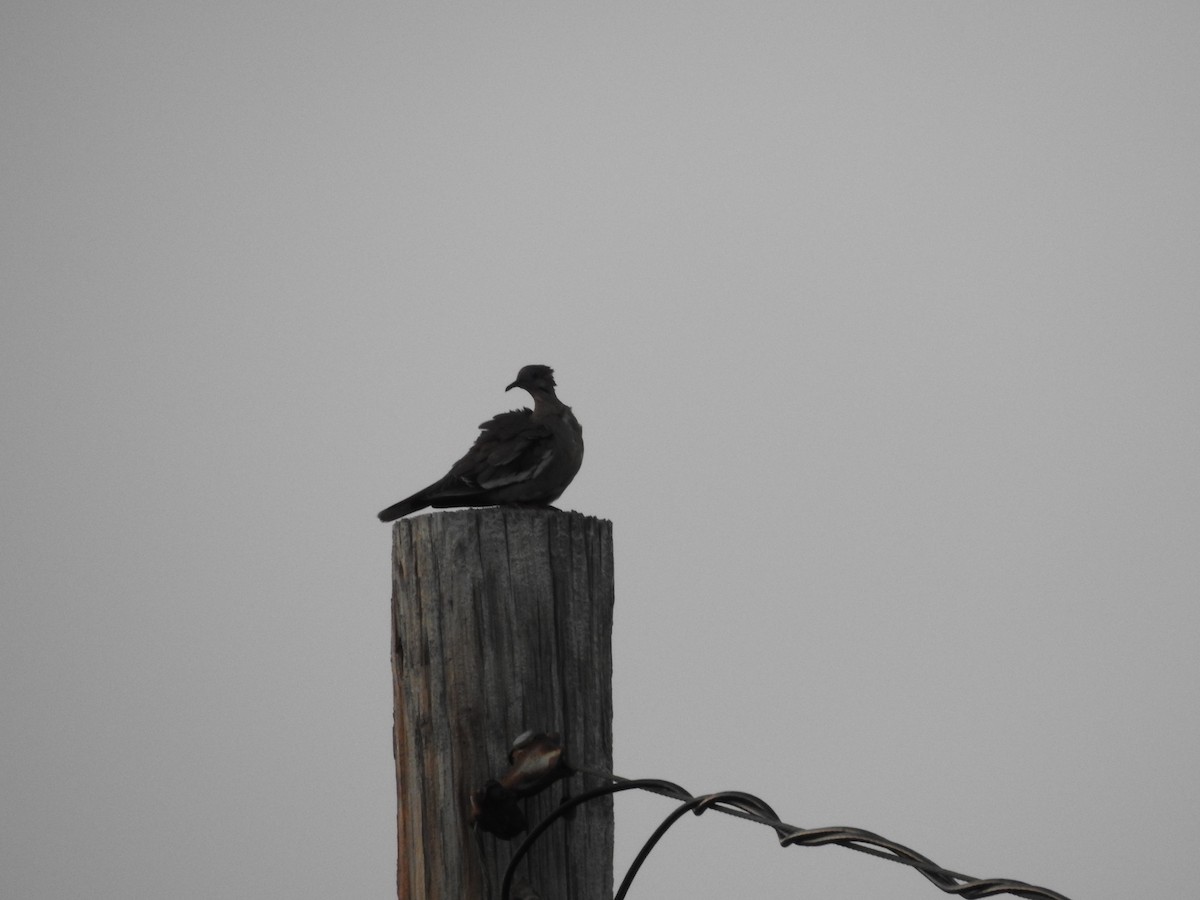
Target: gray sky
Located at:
point(882, 323)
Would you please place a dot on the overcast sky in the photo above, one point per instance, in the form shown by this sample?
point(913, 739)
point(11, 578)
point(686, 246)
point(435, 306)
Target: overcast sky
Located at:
point(883, 326)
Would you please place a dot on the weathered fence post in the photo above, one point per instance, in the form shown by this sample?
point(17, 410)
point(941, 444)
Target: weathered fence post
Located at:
point(502, 623)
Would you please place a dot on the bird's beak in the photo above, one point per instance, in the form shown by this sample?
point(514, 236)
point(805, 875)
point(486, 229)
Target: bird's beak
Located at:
point(513, 385)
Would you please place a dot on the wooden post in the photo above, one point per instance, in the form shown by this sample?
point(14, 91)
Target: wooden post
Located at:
point(502, 623)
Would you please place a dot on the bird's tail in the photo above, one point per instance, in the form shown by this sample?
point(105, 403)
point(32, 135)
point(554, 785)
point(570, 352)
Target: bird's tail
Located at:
point(419, 500)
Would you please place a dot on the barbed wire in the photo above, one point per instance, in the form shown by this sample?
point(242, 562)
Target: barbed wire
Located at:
point(753, 809)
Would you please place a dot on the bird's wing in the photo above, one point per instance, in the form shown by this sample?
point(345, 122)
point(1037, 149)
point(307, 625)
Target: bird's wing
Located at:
point(511, 448)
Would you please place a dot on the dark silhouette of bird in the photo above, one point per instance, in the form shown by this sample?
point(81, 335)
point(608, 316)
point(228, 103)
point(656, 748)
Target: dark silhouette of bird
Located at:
point(526, 457)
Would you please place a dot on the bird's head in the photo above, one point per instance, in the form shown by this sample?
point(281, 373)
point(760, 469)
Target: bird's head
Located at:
point(534, 379)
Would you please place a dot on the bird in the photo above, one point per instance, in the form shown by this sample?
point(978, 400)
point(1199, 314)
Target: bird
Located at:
point(525, 457)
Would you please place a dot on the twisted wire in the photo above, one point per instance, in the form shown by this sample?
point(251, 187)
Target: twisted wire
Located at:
point(754, 809)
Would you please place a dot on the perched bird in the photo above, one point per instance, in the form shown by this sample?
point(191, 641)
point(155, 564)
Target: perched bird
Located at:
point(526, 457)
